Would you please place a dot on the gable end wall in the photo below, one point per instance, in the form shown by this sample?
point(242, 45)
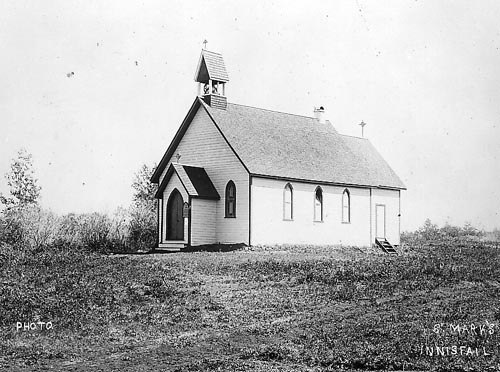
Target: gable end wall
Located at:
point(203, 146)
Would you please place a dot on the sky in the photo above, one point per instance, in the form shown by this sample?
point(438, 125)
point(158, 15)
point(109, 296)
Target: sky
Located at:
point(95, 89)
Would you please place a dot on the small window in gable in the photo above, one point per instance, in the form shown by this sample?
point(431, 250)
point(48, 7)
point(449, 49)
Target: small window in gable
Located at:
point(318, 204)
point(346, 206)
point(288, 202)
point(230, 200)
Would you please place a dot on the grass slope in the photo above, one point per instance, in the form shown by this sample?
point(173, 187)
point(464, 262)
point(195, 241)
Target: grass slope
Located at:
point(286, 309)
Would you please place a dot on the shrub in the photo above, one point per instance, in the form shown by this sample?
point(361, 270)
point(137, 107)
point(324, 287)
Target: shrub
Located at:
point(10, 227)
point(25, 225)
point(127, 230)
point(30, 226)
point(69, 230)
point(40, 227)
point(94, 231)
point(34, 228)
point(142, 227)
point(496, 234)
point(430, 233)
point(119, 231)
point(143, 210)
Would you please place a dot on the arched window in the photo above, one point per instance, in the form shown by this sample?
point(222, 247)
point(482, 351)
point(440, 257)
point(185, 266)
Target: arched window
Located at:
point(288, 202)
point(346, 206)
point(230, 200)
point(318, 204)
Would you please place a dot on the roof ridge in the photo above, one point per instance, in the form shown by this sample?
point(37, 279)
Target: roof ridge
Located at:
point(209, 51)
point(281, 151)
point(279, 112)
point(189, 165)
point(348, 135)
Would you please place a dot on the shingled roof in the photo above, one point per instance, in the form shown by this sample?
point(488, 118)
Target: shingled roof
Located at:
point(194, 179)
point(211, 66)
point(280, 145)
point(277, 144)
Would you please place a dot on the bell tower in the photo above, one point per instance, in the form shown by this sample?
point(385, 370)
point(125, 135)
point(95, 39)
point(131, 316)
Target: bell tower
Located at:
point(211, 76)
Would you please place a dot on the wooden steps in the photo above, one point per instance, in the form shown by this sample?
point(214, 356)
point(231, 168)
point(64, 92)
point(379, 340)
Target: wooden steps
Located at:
point(171, 246)
point(385, 245)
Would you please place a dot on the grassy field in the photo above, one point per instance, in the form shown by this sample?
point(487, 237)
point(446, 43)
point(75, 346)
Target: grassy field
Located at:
point(259, 309)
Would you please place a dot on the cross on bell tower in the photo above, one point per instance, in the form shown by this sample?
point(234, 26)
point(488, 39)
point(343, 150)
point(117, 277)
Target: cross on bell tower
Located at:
point(211, 76)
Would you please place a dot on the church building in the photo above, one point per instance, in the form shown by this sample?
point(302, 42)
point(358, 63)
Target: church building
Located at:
point(241, 174)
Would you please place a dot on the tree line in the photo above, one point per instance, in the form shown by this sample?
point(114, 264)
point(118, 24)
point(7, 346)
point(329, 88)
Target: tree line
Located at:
point(24, 224)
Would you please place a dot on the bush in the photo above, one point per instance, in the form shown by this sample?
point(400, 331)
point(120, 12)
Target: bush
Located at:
point(25, 225)
point(94, 232)
point(430, 233)
point(34, 228)
point(30, 226)
point(119, 232)
point(143, 234)
point(69, 231)
point(10, 227)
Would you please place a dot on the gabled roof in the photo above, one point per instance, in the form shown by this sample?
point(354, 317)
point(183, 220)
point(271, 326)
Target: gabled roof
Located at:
point(204, 188)
point(194, 179)
point(211, 66)
point(277, 144)
point(280, 145)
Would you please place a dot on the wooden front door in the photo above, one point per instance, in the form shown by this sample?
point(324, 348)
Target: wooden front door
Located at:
point(175, 221)
point(380, 221)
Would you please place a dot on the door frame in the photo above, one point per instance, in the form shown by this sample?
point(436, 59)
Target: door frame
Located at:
point(170, 199)
point(376, 222)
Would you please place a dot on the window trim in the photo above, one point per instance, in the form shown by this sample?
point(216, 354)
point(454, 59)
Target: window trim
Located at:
point(288, 185)
point(315, 218)
point(228, 199)
point(347, 193)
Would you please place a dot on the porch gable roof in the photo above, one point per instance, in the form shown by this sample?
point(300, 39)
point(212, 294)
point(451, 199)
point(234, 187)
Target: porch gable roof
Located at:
point(194, 179)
